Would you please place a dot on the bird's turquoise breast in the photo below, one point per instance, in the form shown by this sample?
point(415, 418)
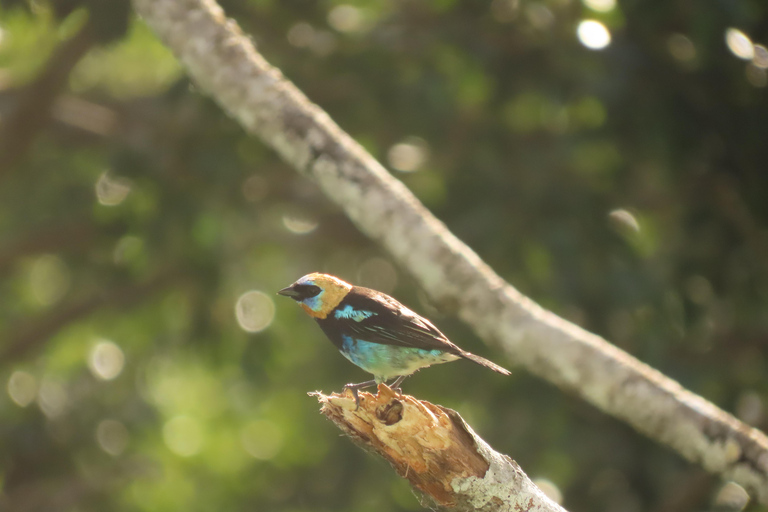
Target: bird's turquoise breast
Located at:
point(389, 361)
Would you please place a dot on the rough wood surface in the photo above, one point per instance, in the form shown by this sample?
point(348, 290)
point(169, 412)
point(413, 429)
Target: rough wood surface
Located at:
point(436, 451)
point(225, 64)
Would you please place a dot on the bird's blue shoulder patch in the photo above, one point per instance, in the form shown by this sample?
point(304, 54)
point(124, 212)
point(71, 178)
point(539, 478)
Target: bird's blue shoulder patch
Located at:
point(348, 312)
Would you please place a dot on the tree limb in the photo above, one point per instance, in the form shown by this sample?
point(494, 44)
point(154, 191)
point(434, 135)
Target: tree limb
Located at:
point(439, 454)
point(33, 110)
point(30, 336)
point(225, 64)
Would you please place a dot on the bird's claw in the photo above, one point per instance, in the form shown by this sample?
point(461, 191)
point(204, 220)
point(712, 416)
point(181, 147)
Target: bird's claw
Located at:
point(355, 388)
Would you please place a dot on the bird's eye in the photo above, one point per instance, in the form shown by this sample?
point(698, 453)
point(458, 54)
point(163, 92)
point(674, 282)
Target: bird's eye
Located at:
point(307, 290)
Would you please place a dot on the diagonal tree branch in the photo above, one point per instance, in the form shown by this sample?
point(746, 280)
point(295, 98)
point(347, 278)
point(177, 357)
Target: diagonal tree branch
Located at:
point(27, 338)
point(439, 454)
point(32, 113)
point(225, 64)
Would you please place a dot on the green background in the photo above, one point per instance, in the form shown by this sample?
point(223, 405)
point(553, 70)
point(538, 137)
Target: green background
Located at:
point(626, 189)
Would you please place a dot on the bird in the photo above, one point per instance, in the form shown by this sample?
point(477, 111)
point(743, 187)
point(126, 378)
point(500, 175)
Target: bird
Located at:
point(375, 331)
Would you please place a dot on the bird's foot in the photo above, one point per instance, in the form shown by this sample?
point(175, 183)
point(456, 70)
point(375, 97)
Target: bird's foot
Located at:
point(395, 386)
point(354, 388)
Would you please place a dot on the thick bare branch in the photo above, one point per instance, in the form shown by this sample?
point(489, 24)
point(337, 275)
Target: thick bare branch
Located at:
point(224, 63)
point(439, 454)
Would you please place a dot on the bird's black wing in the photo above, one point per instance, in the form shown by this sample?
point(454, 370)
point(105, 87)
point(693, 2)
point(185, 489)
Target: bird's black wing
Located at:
point(378, 318)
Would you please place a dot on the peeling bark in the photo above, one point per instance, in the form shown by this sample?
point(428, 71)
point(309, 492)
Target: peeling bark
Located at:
point(225, 64)
point(439, 454)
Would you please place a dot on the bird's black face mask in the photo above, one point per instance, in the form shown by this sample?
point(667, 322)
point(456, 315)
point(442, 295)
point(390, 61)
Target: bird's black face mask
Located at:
point(300, 292)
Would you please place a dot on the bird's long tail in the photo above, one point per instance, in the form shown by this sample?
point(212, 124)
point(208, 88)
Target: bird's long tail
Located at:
point(484, 362)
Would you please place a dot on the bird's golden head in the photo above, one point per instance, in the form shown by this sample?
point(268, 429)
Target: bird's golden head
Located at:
point(318, 294)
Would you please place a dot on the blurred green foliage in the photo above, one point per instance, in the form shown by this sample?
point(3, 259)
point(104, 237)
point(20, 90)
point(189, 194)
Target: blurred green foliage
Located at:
point(147, 364)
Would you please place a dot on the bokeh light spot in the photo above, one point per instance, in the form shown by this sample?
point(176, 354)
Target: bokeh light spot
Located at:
point(22, 388)
point(408, 155)
point(323, 44)
point(106, 360)
point(550, 489)
point(127, 250)
point(588, 112)
point(49, 279)
point(681, 48)
point(346, 18)
point(301, 35)
point(758, 77)
point(739, 44)
point(539, 16)
point(52, 398)
point(600, 5)
point(299, 224)
point(699, 290)
point(760, 58)
point(255, 311)
point(593, 34)
point(112, 190)
point(731, 497)
point(261, 439)
point(183, 435)
point(112, 437)
point(505, 11)
point(624, 221)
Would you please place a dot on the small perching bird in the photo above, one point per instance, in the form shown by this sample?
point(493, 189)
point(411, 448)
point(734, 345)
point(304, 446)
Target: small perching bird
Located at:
point(374, 331)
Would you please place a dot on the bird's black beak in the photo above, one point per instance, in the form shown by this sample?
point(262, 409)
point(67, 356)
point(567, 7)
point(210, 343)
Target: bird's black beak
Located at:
point(289, 292)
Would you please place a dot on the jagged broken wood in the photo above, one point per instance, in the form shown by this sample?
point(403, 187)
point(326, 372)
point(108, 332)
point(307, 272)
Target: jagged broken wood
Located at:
point(439, 454)
point(224, 62)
